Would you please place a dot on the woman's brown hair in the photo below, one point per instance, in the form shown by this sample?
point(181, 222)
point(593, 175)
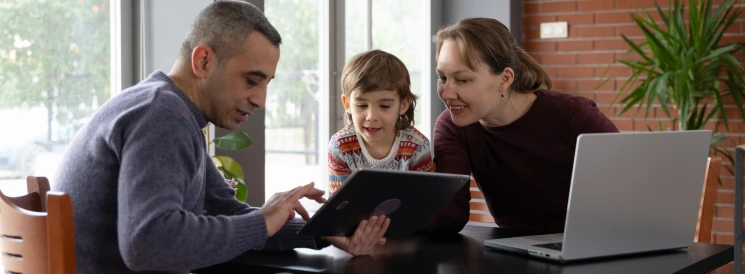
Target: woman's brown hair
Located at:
point(489, 41)
point(379, 70)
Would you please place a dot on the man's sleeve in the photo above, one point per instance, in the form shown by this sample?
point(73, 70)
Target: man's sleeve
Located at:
point(158, 163)
point(220, 200)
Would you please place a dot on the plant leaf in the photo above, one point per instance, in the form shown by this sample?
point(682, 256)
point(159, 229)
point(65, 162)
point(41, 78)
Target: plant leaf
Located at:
point(661, 93)
point(636, 48)
point(241, 192)
point(231, 169)
point(686, 60)
point(233, 141)
point(699, 124)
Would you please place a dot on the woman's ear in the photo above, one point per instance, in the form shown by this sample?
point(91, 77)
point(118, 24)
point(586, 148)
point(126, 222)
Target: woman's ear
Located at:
point(508, 76)
point(405, 104)
point(345, 102)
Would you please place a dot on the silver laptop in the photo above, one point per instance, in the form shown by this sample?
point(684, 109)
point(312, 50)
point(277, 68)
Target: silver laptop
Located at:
point(631, 193)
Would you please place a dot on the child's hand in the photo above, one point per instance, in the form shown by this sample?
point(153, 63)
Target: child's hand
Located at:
point(368, 234)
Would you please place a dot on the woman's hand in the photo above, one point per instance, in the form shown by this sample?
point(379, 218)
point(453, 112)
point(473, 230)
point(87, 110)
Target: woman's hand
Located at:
point(369, 233)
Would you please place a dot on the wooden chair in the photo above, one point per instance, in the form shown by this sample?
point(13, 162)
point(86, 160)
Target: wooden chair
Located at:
point(708, 198)
point(36, 231)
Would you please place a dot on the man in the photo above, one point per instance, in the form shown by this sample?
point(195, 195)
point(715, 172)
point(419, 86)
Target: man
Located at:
point(145, 193)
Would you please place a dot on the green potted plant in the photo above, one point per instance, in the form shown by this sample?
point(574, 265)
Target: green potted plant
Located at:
point(684, 67)
point(230, 169)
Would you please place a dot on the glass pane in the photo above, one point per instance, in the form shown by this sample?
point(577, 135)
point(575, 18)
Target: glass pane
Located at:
point(354, 27)
point(401, 28)
point(292, 107)
point(54, 74)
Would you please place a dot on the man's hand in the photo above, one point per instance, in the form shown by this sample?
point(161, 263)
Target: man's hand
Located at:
point(282, 207)
point(369, 233)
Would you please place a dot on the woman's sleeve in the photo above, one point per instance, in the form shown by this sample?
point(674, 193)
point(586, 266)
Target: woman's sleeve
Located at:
point(450, 156)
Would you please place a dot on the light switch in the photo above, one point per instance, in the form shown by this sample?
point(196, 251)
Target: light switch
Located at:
point(554, 30)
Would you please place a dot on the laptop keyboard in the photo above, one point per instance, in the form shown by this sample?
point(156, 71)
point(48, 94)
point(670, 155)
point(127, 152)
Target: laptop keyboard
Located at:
point(554, 246)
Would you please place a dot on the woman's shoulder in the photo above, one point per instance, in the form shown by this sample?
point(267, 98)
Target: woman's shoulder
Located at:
point(447, 129)
point(446, 120)
point(562, 97)
point(562, 102)
point(582, 113)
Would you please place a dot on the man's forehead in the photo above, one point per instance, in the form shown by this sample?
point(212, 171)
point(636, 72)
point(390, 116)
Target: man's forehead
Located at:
point(261, 63)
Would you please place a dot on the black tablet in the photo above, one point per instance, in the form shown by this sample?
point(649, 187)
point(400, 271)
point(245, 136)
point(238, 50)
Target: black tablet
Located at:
point(409, 198)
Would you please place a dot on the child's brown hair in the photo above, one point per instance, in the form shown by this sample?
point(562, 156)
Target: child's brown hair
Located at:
point(379, 70)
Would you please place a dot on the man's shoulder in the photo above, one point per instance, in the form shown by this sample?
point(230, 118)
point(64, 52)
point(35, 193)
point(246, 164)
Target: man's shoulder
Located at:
point(146, 99)
point(156, 94)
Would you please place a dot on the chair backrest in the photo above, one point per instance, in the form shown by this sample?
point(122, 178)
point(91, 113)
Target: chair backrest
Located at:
point(708, 199)
point(34, 240)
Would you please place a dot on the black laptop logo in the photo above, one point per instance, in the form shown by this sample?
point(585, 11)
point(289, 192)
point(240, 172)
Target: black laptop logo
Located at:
point(387, 207)
point(342, 205)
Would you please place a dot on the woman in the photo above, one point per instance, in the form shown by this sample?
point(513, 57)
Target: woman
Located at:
point(506, 128)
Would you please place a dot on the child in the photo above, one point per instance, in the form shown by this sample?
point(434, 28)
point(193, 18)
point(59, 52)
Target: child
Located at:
point(380, 113)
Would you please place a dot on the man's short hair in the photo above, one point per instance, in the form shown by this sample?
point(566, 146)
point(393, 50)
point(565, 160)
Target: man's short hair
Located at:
point(224, 26)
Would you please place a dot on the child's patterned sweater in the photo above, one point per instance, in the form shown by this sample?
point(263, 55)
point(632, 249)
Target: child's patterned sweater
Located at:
point(411, 151)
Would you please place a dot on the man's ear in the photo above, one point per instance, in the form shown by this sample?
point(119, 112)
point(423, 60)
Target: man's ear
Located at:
point(202, 61)
point(345, 102)
point(508, 76)
point(405, 104)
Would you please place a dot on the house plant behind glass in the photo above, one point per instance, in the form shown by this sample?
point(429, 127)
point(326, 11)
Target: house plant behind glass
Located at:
point(230, 169)
point(689, 69)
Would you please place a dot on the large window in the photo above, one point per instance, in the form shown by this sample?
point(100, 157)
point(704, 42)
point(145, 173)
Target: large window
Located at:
point(295, 145)
point(402, 29)
point(300, 107)
point(54, 73)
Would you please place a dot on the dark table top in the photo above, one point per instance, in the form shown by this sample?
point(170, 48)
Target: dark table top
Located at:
point(465, 253)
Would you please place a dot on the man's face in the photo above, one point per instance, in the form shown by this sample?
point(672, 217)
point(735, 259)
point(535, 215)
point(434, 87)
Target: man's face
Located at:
point(234, 89)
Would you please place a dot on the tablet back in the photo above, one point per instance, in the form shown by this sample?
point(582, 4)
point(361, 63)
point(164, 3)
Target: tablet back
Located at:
point(409, 198)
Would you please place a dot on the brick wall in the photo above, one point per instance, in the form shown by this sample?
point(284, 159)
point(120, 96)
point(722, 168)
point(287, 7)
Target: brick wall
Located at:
point(577, 62)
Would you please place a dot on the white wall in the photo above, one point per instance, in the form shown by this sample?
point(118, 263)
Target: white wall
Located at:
point(167, 23)
point(454, 10)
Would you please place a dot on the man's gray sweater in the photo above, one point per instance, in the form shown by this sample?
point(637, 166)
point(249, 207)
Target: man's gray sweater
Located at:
point(146, 195)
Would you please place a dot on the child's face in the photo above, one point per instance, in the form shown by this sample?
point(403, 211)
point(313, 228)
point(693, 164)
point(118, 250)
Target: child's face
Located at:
point(375, 113)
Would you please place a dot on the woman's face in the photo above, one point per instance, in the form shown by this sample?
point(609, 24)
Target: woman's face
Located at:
point(469, 95)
